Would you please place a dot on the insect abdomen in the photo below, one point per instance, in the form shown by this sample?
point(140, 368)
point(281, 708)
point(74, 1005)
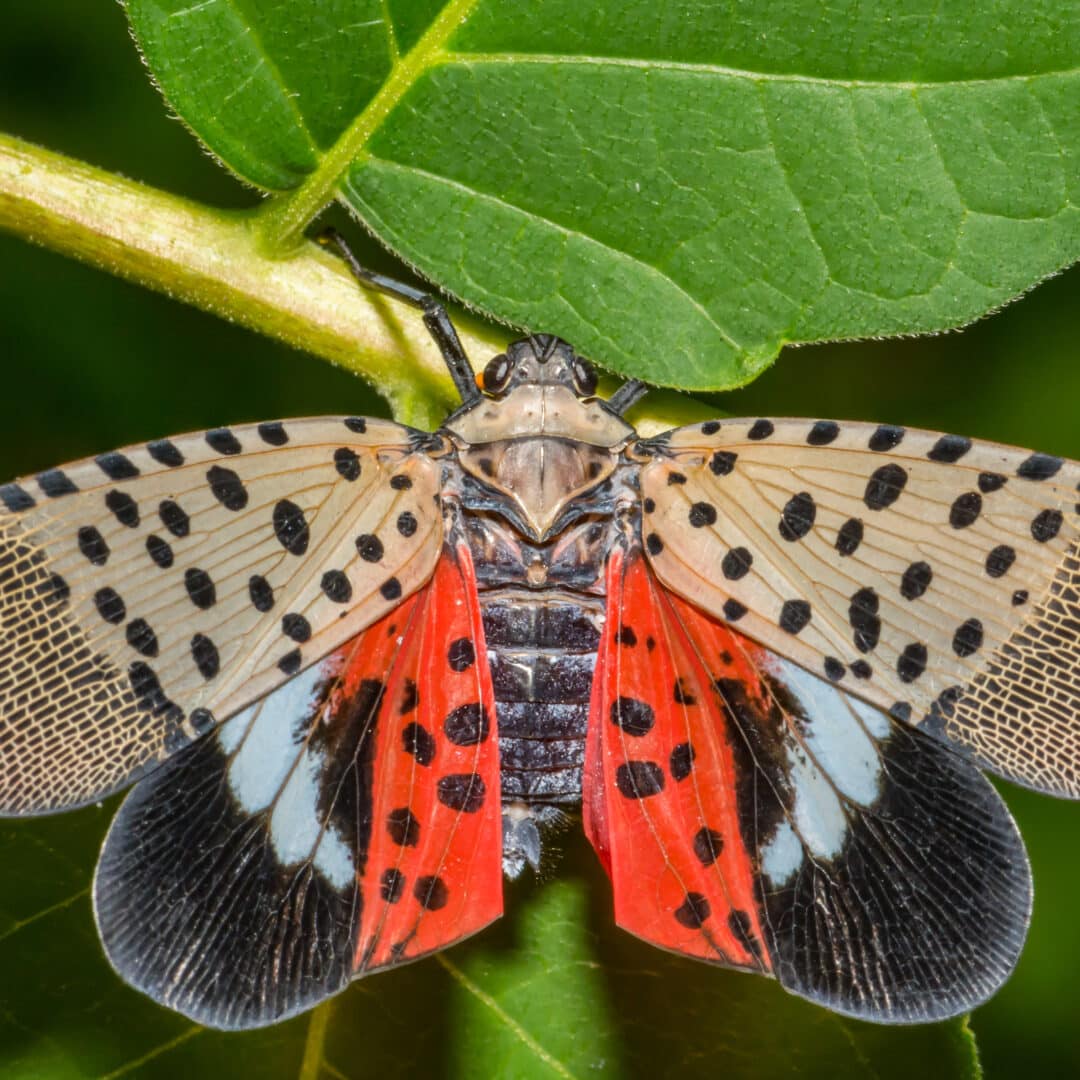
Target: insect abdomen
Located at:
point(542, 651)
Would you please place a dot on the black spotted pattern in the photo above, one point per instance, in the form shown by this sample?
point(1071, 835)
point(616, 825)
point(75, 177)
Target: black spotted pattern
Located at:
point(722, 462)
point(291, 527)
point(461, 655)
point(55, 482)
point(295, 627)
point(912, 662)
point(407, 523)
point(702, 514)
point(419, 742)
point(223, 441)
point(92, 545)
point(110, 605)
point(823, 433)
point(227, 487)
point(865, 620)
point(886, 437)
point(467, 725)
point(794, 615)
point(734, 609)
point(736, 563)
point(707, 844)
point(174, 518)
point(1039, 467)
point(681, 761)
point(633, 716)
point(464, 792)
point(260, 592)
point(124, 508)
point(849, 537)
point(369, 547)
point(205, 654)
point(949, 448)
point(798, 516)
point(639, 779)
point(141, 637)
point(916, 580)
point(160, 551)
point(391, 589)
point(693, 911)
point(885, 486)
point(1046, 525)
point(760, 429)
point(347, 463)
point(968, 638)
point(165, 453)
point(273, 433)
point(965, 510)
point(403, 827)
point(200, 588)
point(431, 893)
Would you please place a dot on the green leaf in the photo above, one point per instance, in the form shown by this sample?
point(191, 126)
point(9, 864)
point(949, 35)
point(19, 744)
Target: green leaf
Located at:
point(677, 194)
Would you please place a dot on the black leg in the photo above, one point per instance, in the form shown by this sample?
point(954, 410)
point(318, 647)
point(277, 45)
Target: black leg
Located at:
point(435, 317)
point(627, 394)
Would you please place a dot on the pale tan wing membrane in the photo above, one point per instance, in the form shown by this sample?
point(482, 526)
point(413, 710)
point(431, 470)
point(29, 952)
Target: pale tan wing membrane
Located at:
point(933, 576)
point(147, 594)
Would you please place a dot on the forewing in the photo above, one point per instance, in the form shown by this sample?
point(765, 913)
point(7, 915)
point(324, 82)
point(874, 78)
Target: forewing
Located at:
point(935, 577)
point(659, 788)
point(314, 838)
point(147, 592)
point(865, 865)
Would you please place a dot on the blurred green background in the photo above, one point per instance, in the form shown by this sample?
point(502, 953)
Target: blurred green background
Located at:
point(90, 363)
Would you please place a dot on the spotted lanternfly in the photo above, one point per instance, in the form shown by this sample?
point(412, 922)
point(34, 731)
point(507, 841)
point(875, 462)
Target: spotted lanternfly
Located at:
point(357, 668)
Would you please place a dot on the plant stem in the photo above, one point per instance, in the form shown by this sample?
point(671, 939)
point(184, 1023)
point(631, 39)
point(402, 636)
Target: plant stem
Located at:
point(211, 259)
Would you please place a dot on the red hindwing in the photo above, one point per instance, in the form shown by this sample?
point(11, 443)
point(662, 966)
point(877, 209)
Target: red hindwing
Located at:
point(433, 868)
point(660, 778)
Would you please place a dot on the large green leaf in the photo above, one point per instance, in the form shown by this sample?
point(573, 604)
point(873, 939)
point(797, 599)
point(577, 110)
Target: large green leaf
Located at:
point(677, 190)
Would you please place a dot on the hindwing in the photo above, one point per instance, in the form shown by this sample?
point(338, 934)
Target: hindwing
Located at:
point(755, 815)
point(347, 822)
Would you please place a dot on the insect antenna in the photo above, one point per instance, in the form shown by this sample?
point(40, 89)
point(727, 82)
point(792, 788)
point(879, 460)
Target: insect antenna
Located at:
point(436, 318)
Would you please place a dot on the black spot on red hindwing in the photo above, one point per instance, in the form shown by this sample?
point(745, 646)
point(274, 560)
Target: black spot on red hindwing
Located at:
point(391, 885)
point(463, 792)
point(403, 827)
point(741, 927)
point(227, 487)
point(708, 844)
point(639, 779)
point(625, 636)
point(467, 725)
point(884, 486)
point(419, 742)
point(681, 761)
point(431, 893)
point(682, 693)
point(410, 697)
point(461, 655)
point(632, 716)
point(693, 911)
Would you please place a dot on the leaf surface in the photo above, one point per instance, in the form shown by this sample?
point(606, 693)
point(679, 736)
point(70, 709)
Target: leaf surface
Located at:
point(678, 192)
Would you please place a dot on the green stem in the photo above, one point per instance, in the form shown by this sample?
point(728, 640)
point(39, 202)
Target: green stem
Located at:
point(213, 260)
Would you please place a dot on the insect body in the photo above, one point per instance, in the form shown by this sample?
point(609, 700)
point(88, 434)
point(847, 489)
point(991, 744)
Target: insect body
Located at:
point(360, 668)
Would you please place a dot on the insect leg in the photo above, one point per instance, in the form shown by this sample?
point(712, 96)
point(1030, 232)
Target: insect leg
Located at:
point(630, 392)
point(436, 318)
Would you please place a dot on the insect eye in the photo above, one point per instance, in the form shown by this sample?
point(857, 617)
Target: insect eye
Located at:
point(496, 374)
point(584, 376)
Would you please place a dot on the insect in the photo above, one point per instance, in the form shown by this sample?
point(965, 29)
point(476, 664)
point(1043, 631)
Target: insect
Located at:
point(358, 670)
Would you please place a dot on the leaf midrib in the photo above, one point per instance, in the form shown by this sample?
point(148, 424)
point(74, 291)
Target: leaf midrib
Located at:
point(284, 218)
